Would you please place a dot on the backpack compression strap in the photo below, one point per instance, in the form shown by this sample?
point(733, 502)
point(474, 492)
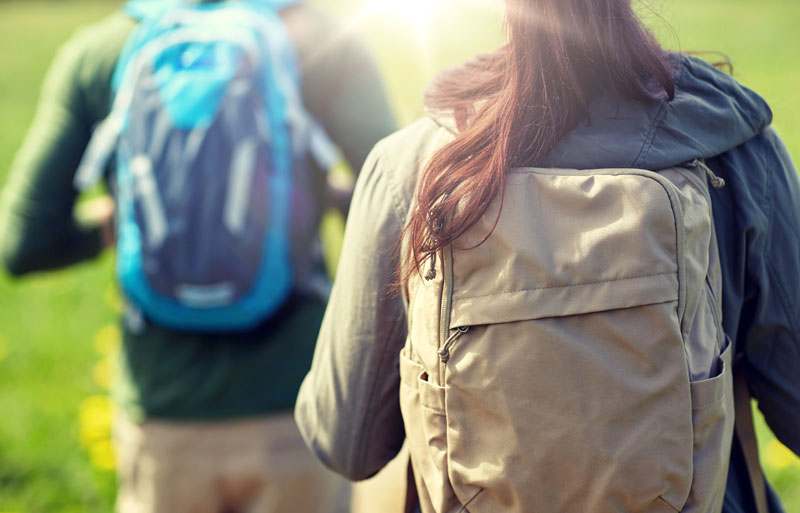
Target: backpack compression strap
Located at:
point(746, 434)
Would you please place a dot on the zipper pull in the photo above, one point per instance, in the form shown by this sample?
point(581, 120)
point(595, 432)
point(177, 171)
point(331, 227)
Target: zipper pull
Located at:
point(435, 226)
point(717, 182)
point(444, 352)
point(431, 274)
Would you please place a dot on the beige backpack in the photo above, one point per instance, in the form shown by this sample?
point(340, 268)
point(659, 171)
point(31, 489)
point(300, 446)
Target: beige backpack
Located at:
point(575, 361)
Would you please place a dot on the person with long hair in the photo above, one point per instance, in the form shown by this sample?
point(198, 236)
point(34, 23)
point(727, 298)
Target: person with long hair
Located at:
point(579, 85)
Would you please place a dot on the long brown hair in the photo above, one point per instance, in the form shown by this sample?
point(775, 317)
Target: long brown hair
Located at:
point(513, 106)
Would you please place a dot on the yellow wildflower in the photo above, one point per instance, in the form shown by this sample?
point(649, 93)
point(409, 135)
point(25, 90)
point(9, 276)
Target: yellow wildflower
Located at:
point(107, 339)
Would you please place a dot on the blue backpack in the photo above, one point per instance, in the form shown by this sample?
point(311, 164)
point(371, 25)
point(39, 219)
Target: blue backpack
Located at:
point(211, 142)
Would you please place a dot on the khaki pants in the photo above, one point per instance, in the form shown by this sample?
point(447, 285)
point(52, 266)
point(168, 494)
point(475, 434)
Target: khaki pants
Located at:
point(253, 466)
point(386, 492)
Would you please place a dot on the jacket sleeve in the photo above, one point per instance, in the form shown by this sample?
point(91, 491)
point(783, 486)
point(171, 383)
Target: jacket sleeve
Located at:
point(37, 228)
point(771, 321)
point(348, 408)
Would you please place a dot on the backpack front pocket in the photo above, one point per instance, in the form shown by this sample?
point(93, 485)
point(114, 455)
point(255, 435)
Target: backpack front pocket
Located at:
point(422, 405)
point(583, 411)
point(713, 419)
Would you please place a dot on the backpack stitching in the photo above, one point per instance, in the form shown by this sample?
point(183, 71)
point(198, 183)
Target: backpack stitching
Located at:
point(569, 286)
point(665, 501)
point(464, 506)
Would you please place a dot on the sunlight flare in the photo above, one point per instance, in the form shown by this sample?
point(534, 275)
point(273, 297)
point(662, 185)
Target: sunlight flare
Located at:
point(417, 15)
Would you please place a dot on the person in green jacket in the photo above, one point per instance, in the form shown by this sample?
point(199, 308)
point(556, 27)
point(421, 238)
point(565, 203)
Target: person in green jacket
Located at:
point(205, 423)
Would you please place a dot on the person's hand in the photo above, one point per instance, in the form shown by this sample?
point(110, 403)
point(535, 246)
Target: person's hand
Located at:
point(100, 212)
point(340, 185)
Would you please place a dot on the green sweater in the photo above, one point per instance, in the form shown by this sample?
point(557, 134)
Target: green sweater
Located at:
point(166, 374)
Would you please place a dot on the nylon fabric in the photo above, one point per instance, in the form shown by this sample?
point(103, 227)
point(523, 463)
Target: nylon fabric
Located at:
point(204, 244)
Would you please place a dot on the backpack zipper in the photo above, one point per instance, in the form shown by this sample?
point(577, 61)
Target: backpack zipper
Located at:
point(431, 274)
point(444, 352)
point(445, 338)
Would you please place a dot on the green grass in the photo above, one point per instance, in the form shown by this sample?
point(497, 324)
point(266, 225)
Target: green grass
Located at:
point(48, 323)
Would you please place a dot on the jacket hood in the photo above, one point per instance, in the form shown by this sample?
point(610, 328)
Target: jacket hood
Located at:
point(710, 114)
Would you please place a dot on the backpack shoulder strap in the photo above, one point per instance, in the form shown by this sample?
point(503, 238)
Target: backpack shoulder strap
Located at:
point(746, 434)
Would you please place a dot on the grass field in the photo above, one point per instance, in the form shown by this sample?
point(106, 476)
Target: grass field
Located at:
point(56, 331)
